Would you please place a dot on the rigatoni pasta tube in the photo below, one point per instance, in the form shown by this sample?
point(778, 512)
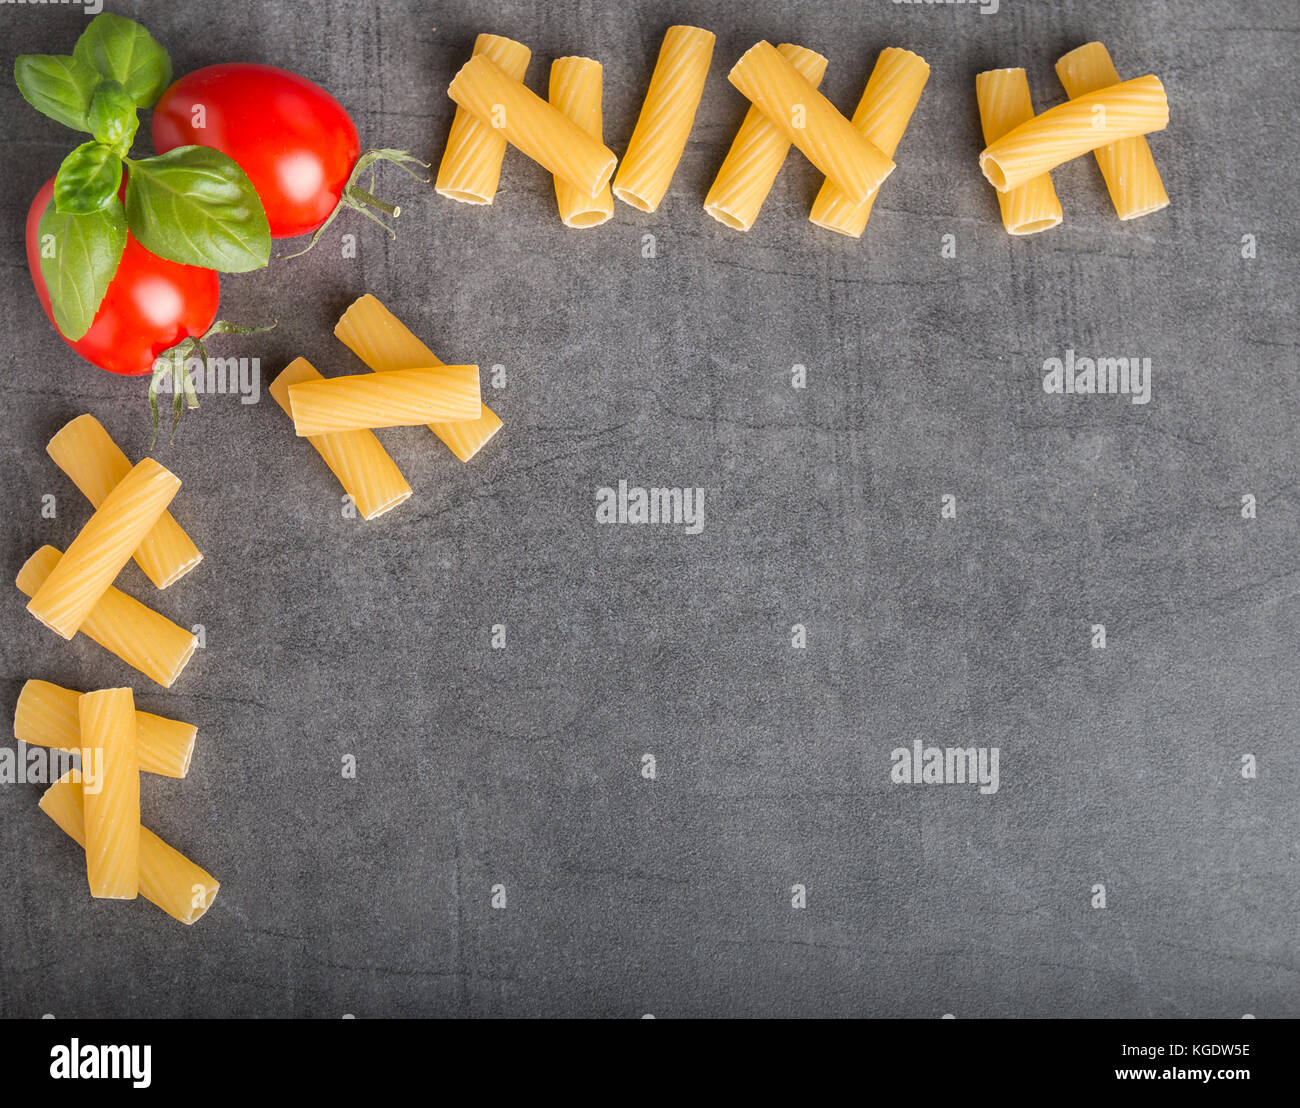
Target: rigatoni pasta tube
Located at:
point(810, 121)
point(398, 398)
point(95, 463)
point(471, 164)
point(1127, 166)
point(137, 634)
point(167, 878)
point(112, 804)
point(575, 90)
point(47, 715)
point(103, 546)
point(882, 115)
point(757, 153)
point(357, 458)
point(531, 125)
point(1060, 134)
point(667, 115)
point(384, 342)
point(1003, 97)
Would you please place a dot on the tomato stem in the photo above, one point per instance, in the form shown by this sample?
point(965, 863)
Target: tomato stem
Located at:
point(362, 200)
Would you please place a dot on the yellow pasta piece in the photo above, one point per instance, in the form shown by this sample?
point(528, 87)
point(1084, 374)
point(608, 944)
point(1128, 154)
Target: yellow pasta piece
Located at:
point(137, 634)
point(1060, 134)
point(167, 878)
point(356, 458)
point(88, 455)
point(1003, 96)
point(575, 91)
point(383, 342)
point(810, 121)
point(103, 546)
point(757, 153)
point(47, 715)
point(397, 398)
point(1127, 166)
point(112, 803)
point(667, 115)
point(530, 124)
point(882, 115)
point(471, 164)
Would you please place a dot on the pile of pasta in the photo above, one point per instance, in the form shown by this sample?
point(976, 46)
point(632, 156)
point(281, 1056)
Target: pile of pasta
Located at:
point(1104, 115)
point(563, 133)
point(409, 386)
point(98, 804)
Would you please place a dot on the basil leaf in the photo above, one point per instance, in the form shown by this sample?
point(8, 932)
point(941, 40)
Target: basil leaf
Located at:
point(120, 48)
point(196, 206)
point(79, 255)
point(87, 179)
point(57, 85)
point(112, 116)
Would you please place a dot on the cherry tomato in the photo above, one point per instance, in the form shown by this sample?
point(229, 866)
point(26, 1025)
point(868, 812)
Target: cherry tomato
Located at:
point(293, 139)
point(151, 303)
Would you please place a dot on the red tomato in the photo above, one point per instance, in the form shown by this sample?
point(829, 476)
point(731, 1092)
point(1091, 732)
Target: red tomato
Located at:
point(293, 139)
point(151, 303)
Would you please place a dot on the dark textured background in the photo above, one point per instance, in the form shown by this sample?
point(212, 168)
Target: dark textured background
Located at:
point(328, 636)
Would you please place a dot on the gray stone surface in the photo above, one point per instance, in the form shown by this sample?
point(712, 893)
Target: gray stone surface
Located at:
point(521, 767)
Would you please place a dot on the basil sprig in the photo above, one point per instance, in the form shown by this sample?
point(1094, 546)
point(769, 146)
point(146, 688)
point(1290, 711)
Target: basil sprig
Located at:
point(192, 205)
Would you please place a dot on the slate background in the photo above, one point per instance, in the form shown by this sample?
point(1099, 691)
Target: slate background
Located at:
point(328, 636)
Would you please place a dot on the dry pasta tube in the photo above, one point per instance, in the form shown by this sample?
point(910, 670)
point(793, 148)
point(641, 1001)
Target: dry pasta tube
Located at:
point(1127, 166)
point(47, 715)
point(95, 463)
point(1060, 134)
point(882, 115)
point(757, 153)
point(167, 878)
point(103, 546)
point(137, 634)
point(575, 91)
point(531, 125)
point(1003, 96)
point(667, 115)
point(384, 342)
point(471, 164)
point(356, 458)
point(112, 803)
point(810, 121)
point(398, 398)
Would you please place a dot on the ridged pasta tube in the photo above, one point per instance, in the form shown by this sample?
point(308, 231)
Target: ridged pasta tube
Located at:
point(1003, 97)
point(757, 153)
point(1127, 166)
point(667, 115)
point(103, 546)
point(576, 91)
point(397, 398)
point(1061, 134)
point(112, 804)
point(471, 164)
point(810, 121)
point(882, 115)
point(530, 124)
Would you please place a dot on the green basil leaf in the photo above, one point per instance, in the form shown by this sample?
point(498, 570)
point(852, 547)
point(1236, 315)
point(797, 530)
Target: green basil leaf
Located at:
point(196, 206)
point(79, 255)
point(87, 179)
point(112, 116)
point(57, 85)
point(120, 48)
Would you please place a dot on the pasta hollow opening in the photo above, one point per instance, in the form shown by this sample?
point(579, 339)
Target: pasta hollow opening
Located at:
point(640, 203)
point(994, 172)
point(1036, 225)
point(727, 219)
point(587, 219)
point(465, 196)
